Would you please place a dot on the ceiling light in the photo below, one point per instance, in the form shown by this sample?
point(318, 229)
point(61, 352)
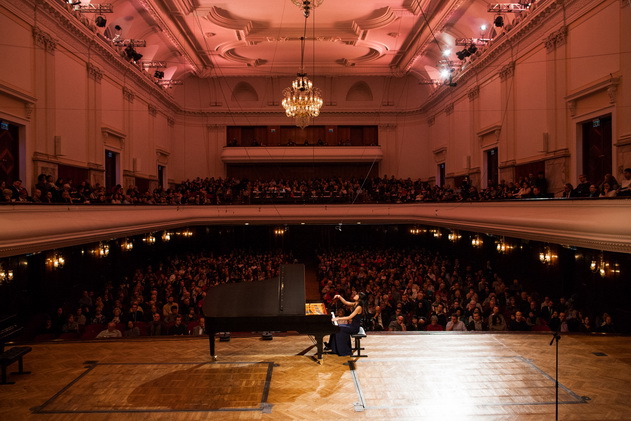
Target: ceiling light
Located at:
point(444, 73)
point(302, 101)
point(307, 5)
point(483, 27)
point(446, 53)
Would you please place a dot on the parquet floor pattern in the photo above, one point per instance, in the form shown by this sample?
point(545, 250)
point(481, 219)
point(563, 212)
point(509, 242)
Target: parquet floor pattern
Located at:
point(416, 377)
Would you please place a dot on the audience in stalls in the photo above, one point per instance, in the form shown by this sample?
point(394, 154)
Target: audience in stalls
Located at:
point(136, 305)
point(216, 191)
point(110, 332)
point(422, 290)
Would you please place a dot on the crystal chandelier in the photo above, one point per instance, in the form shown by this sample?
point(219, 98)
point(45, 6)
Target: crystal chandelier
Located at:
point(307, 5)
point(302, 101)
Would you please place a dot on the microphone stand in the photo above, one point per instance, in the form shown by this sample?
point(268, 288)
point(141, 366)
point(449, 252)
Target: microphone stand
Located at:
point(555, 338)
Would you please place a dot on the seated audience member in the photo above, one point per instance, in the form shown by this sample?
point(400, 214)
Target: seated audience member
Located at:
point(98, 318)
point(178, 328)
point(518, 323)
point(156, 327)
point(625, 184)
point(455, 324)
point(433, 326)
point(477, 323)
point(71, 326)
point(170, 318)
point(607, 190)
point(398, 324)
point(376, 321)
point(131, 331)
point(496, 320)
point(415, 325)
point(200, 329)
point(593, 191)
point(110, 332)
point(582, 188)
point(568, 191)
point(607, 326)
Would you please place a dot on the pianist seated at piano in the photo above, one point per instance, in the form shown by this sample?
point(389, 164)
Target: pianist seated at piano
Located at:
point(340, 343)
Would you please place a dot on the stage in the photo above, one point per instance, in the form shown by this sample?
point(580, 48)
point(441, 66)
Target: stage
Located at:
point(405, 376)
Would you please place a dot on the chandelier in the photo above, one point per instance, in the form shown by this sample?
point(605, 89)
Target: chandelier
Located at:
point(302, 101)
point(307, 5)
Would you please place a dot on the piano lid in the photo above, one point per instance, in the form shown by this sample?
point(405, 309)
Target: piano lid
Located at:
point(280, 296)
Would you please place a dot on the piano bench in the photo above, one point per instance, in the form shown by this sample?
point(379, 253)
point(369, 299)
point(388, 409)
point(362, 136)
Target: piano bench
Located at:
point(358, 348)
point(9, 357)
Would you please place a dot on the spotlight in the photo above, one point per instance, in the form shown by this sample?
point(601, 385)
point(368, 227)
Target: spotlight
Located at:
point(499, 21)
point(461, 55)
point(472, 49)
point(100, 21)
point(136, 56)
point(158, 74)
point(446, 53)
point(483, 27)
point(444, 73)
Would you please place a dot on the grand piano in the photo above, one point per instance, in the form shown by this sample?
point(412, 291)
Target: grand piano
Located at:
point(276, 304)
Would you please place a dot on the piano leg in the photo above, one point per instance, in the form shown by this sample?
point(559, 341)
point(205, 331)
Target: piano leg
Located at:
point(211, 340)
point(320, 347)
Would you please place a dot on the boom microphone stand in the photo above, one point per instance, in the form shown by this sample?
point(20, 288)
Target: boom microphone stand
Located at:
point(555, 338)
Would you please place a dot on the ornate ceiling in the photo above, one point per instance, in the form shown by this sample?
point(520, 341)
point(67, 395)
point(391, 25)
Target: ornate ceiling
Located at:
point(262, 37)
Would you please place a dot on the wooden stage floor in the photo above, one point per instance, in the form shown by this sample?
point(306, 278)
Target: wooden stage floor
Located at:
point(406, 376)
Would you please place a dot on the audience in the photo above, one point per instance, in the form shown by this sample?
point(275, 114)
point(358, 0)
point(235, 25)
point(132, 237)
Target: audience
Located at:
point(421, 290)
point(217, 191)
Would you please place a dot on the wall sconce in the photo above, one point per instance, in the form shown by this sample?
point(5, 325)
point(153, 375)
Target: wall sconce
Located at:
point(149, 239)
point(417, 230)
point(436, 233)
point(454, 236)
point(102, 250)
point(547, 257)
point(186, 233)
point(477, 241)
point(603, 268)
point(166, 236)
point(6, 275)
point(56, 261)
point(503, 247)
point(127, 245)
point(280, 231)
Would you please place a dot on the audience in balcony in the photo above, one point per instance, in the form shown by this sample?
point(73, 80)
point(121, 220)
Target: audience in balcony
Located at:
point(218, 191)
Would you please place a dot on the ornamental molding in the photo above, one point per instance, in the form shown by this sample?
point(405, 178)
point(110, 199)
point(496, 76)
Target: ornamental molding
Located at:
point(128, 95)
point(449, 109)
point(507, 71)
point(608, 84)
point(536, 20)
point(170, 121)
point(44, 40)
point(153, 111)
point(431, 120)
point(59, 18)
point(473, 93)
point(556, 39)
point(29, 107)
point(94, 72)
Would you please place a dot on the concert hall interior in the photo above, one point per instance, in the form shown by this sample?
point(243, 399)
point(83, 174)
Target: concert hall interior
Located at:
point(445, 157)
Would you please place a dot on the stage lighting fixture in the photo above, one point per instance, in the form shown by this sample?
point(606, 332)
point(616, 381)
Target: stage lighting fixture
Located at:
point(499, 21)
point(472, 49)
point(158, 74)
point(460, 55)
point(100, 21)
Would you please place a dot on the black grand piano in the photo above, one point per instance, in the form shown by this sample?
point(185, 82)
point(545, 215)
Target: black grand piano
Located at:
point(276, 304)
